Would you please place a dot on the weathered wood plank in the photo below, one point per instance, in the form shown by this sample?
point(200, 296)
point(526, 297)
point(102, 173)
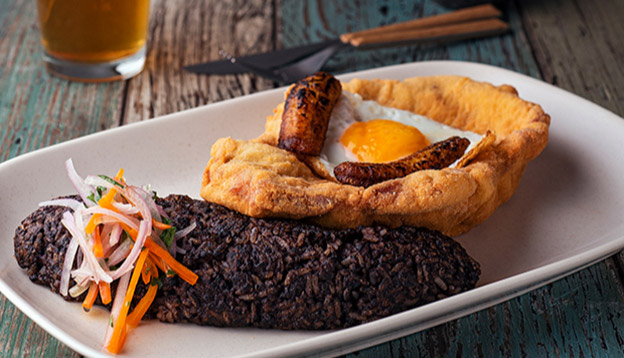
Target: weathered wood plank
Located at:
point(327, 19)
point(187, 32)
point(37, 110)
point(20, 337)
point(579, 46)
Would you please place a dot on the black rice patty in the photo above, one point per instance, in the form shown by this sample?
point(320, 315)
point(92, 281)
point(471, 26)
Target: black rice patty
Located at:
point(276, 273)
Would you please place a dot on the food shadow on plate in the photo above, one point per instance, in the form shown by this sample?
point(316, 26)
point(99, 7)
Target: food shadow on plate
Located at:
point(513, 240)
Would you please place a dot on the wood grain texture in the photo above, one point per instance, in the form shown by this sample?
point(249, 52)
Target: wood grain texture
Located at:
point(328, 19)
point(37, 110)
point(185, 32)
point(20, 337)
point(590, 34)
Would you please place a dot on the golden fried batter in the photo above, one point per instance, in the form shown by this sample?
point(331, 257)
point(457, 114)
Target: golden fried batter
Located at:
point(258, 179)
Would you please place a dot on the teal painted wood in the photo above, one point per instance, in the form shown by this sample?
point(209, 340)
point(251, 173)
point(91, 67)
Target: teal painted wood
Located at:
point(580, 315)
point(328, 19)
point(20, 337)
point(37, 110)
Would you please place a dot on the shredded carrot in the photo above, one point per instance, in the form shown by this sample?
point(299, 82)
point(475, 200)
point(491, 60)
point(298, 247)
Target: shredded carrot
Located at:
point(133, 233)
point(107, 200)
point(135, 317)
point(160, 225)
point(92, 223)
point(141, 308)
point(91, 296)
point(105, 292)
point(118, 337)
point(98, 250)
point(122, 339)
point(119, 177)
point(159, 262)
point(120, 174)
point(184, 273)
point(146, 272)
point(152, 265)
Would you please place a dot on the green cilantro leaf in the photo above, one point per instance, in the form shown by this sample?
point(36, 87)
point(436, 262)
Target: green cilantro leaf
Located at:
point(156, 282)
point(167, 235)
point(110, 180)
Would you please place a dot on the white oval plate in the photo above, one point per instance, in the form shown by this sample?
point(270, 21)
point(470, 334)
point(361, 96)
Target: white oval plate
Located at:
point(565, 216)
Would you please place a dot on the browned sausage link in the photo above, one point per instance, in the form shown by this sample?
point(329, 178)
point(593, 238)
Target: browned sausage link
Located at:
point(306, 113)
point(436, 156)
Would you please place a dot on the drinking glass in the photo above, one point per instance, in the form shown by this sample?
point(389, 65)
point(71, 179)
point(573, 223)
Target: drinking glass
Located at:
point(94, 40)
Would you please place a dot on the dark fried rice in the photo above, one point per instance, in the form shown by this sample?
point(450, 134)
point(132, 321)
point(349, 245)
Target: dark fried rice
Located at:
point(275, 273)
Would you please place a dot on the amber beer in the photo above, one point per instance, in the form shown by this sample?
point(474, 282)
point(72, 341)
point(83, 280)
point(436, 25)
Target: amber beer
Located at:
point(92, 31)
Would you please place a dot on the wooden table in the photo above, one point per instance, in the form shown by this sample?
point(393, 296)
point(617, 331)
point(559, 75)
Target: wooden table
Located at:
point(577, 45)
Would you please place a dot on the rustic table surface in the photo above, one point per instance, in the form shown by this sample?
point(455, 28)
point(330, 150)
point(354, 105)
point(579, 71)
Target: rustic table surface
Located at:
point(574, 44)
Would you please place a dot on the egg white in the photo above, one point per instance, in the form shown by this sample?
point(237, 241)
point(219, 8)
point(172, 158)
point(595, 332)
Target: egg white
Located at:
point(352, 108)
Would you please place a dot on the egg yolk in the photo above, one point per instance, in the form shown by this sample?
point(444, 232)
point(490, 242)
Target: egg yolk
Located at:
point(382, 140)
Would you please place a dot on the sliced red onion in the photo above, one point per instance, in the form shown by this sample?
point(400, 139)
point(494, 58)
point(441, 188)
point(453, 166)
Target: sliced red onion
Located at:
point(120, 253)
point(68, 203)
point(77, 290)
point(103, 264)
point(173, 249)
point(96, 181)
point(70, 254)
point(128, 264)
point(126, 209)
point(133, 197)
point(79, 258)
point(149, 201)
point(120, 295)
point(82, 276)
point(181, 250)
point(162, 212)
point(97, 271)
point(187, 230)
point(131, 222)
point(83, 189)
point(115, 234)
point(105, 237)
point(106, 220)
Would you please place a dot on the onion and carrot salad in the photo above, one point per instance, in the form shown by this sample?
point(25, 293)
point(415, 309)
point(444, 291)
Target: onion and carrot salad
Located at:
point(118, 232)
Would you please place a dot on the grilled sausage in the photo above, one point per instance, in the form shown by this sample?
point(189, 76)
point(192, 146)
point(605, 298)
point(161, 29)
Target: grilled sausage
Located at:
point(436, 156)
point(306, 113)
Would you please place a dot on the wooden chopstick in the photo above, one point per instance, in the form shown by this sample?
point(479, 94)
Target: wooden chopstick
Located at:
point(453, 32)
point(469, 14)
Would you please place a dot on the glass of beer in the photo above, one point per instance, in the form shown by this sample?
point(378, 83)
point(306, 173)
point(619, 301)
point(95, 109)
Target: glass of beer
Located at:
point(94, 40)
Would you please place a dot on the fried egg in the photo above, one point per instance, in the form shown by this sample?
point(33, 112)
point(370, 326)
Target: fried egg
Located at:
point(365, 131)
